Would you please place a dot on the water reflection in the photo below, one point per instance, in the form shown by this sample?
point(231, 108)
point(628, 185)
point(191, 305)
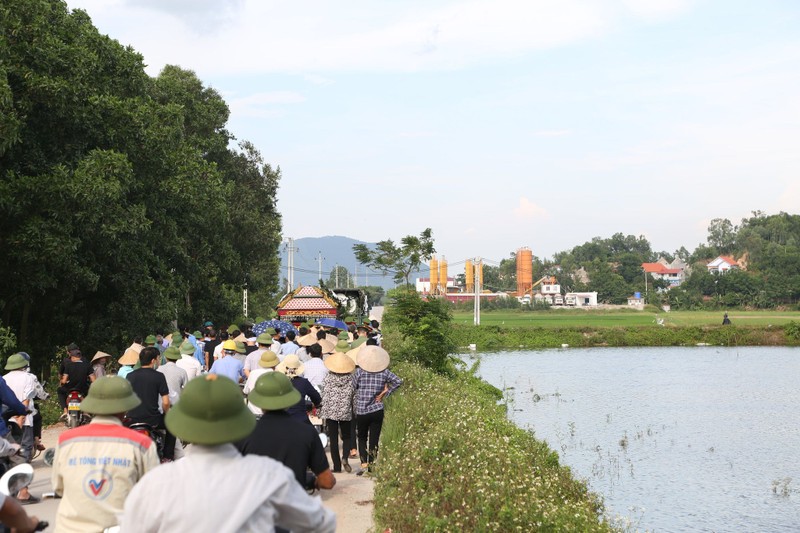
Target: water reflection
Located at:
point(675, 439)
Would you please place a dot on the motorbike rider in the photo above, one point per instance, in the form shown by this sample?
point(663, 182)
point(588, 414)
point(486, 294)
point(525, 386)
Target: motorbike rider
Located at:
point(76, 374)
point(8, 448)
point(97, 465)
point(151, 386)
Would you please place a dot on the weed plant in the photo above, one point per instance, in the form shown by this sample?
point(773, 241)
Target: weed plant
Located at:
point(451, 461)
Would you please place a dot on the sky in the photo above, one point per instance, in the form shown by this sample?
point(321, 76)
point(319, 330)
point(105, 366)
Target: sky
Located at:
point(498, 123)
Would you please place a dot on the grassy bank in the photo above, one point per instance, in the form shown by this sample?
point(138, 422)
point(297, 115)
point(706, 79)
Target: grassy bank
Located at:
point(451, 461)
point(497, 337)
point(560, 318)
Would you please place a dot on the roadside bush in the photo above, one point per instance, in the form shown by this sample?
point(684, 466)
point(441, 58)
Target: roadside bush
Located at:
point(451, 461)
point(418, 330)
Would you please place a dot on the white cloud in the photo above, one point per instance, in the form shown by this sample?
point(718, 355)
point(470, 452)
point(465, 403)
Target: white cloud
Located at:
point(265, 104)
point(528, 210)
point(257, 36)
point(657, 10)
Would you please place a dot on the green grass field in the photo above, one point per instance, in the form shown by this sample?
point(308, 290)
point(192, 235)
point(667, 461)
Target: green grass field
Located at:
point(605, 318)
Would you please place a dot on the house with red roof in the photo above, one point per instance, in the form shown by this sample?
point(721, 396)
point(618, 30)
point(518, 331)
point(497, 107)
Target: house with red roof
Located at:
point(722, 264)
point(662, 270)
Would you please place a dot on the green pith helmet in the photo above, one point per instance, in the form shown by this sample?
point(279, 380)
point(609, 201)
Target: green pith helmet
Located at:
point(16, 361)
point(150, 339)
point(240, 347)
point(343, 336)
point(172, 353)
point(211, 411)
point(274, 391)
point(110, 395)
point(264, 338)
point(177, 338)
point(197, 335)
point(232, 328)
point(342, 346)
point(358, 342)
point(187, 348)
point(268, 359)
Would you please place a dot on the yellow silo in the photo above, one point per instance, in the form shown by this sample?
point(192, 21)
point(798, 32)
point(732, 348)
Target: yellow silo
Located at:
point(443, 276)
point(469, 276)
point(434, 281)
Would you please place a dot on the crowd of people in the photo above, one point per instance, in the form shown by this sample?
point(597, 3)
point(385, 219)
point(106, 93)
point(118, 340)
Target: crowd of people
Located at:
point(233, 408)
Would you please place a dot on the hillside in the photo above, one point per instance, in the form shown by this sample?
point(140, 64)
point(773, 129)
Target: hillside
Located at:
point(335, 250)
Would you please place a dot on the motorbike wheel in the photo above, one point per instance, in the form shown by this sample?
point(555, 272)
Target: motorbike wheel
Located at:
point(73, 421)
point(49, 456)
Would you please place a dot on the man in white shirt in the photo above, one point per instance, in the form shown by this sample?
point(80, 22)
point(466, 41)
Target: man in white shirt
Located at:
point(23, 384)
point(251, 361)
point(267, 363)
point(211, 415)
point(188, 362)
point(315, 368)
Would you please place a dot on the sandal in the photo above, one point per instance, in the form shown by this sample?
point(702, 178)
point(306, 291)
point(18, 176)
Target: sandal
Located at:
point(30, 500)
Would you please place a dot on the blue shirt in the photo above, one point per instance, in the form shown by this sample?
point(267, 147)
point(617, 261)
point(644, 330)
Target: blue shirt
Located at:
point(8, 398)
point(228, 366)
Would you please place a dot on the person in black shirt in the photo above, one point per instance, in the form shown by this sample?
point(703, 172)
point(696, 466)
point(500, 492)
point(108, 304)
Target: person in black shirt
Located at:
point(150, 386)
point(280, 436)
point(76, 374)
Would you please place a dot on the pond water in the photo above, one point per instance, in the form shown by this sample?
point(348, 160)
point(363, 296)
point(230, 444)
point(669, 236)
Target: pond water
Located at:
point(674, 439)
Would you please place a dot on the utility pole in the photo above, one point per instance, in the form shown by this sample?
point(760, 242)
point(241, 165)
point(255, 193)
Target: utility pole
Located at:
point(355, 277)
point(290, 248)
point(319, 259)
point(337, 275)
point(244, 298)
point(477, 306)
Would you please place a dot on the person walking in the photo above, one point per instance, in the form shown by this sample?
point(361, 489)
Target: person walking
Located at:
point(292, 368)
point(96, 465)
point(267, 363)
point(212, 416)
point(373, 382)
point(337, 406)
point(227, 365)
point(280, 436)
point(188, 362)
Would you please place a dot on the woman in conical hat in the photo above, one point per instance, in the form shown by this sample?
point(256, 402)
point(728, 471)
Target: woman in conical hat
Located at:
point(337, 406)
point(373, 382)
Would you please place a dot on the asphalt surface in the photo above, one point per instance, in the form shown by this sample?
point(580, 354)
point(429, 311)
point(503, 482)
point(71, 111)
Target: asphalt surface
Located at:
point(351, 498)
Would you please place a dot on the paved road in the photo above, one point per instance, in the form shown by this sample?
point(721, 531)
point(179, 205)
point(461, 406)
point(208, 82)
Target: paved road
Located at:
point(351, 498)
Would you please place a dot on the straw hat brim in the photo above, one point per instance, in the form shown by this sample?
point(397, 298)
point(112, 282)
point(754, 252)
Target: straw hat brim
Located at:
point(130, 357)
point(340, 363)
point(307, 340)
point(373, 359)
point(326, 345)
point(100, 355)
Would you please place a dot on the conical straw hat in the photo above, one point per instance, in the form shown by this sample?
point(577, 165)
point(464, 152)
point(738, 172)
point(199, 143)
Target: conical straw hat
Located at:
point(340, 363)
point(373, 359)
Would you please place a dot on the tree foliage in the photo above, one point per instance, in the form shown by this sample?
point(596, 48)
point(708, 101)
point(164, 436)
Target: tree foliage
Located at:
point(401, 261)
point(122, 205)
point(418, 330)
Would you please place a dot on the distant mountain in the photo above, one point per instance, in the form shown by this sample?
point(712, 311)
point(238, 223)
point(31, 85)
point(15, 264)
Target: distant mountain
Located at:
point(335, 250)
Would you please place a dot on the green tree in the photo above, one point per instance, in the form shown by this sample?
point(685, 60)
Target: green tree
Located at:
point(340, 278)
point(417, 330)
point(401, 260)
point(374, 294)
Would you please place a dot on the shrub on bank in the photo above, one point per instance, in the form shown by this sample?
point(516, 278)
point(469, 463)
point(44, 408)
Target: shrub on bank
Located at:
point(451, 461)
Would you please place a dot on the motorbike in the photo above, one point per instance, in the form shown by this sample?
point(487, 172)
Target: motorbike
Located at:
point(155, 434)
point(75, 416)
point(14, 481)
